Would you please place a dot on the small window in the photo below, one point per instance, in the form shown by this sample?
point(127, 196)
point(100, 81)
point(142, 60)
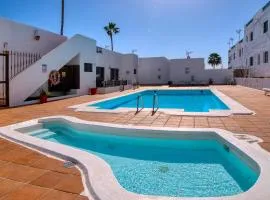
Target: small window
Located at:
point(159, 69)
point(234, 55)
point(135, 71)
point(159, 77)
point(187, 70)
point(265, 26)
point(247, 38)
point(265, 57)
point(251, 61)
point(240, 52)
point(259, 59)
point(88, 67)
point(251, 36)
point(99, 50)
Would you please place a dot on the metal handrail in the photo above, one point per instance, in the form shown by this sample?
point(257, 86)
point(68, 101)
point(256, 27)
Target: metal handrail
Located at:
point(139, 98)
point(155, 103)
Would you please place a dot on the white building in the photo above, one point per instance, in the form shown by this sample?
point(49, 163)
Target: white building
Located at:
point(32, 60)
point(252, 52)
point(160, 70)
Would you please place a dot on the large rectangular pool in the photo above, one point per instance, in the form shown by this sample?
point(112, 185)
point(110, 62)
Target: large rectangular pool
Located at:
point(201, 100)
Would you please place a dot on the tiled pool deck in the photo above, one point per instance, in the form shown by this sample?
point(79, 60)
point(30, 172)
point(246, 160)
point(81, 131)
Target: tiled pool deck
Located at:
point(25, 174)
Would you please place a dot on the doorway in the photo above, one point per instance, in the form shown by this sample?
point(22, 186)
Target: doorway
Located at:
point(99, 76)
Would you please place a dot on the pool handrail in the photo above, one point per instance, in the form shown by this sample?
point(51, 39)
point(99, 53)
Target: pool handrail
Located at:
point(139, 98)
point(155, 103)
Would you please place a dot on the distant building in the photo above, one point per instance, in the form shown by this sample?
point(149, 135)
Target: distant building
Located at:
point(252, 52)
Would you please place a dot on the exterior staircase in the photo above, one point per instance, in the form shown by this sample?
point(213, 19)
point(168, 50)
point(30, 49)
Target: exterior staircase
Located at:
point(26, 81)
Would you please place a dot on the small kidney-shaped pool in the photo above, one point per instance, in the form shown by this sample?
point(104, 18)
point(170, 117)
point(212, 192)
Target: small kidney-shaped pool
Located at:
point(176, 165)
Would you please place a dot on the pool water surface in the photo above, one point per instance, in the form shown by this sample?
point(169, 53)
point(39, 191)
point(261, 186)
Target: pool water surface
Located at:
point(160, 166)
point(187, 100)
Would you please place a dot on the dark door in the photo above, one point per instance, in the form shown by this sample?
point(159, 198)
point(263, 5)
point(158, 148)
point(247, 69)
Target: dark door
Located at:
point(114, 74)
point(99, 76)
point(70, 79)
point(4, 79)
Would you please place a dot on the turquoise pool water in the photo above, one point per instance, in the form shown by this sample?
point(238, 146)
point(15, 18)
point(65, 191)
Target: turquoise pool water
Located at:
point(159, 166)
point(189, 100)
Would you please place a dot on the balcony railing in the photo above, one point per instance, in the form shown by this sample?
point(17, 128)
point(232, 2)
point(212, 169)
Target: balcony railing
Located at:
point(19, 61)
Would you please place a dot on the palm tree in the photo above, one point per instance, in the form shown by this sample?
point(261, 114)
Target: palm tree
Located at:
point(62, 16)
point(214, 59)
point(111, 29)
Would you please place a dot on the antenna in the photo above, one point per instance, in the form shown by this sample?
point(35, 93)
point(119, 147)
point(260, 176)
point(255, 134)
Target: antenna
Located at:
point(239, 31)
point(188, 54)
point(229, 43)
point(134, 51)
point(231, 39)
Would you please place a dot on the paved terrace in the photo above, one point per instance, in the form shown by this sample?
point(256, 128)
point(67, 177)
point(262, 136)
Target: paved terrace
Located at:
point(25, 174)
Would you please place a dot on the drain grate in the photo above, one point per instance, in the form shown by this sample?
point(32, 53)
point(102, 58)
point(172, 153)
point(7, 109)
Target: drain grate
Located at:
point(69, 164)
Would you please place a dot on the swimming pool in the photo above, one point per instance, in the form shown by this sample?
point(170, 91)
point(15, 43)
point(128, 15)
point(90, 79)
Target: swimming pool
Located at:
point(147, 163)
point(202, 167)
point(186, 100)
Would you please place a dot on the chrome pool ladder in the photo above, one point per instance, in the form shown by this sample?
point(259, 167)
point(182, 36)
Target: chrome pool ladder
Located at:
point(155, 103)
point(139, 99)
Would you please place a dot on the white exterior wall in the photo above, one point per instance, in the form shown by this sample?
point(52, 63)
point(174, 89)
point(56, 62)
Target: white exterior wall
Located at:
point(178, 70)
point(29, 80)
point(237, 59)
point(219, 76)
point(257, 83)
point(129, 63)
point(20, 37)
point(126, 63)
point(259, 44)
point(149, 70)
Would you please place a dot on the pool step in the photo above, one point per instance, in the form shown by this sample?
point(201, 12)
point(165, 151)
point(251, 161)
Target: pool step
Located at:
point(42, 133)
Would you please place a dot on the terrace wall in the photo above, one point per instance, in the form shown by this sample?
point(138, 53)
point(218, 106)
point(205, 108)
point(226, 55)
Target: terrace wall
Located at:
point(153, 70)
point(20, 37)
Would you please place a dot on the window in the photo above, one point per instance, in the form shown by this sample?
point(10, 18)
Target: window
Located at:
point(251, 36)
point(240, 52)
point(265, 57)
point(265, 26)
point(159, 77)
point(88, 67)
point(114, 74)
point(259, 59)
point(135, 71)
point(251, 61)
point(234, 55)
point(99, 50)
point(187, 70)
point(230, 58)
point(247, 38)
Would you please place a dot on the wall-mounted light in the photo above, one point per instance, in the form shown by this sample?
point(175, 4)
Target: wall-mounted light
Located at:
point(36, 35)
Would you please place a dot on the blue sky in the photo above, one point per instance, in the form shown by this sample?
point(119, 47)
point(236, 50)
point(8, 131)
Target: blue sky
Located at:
point(153, 27)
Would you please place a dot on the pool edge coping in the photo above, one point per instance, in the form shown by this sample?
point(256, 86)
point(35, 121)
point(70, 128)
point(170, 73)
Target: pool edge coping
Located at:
point(235, 108)
point(91, 164)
